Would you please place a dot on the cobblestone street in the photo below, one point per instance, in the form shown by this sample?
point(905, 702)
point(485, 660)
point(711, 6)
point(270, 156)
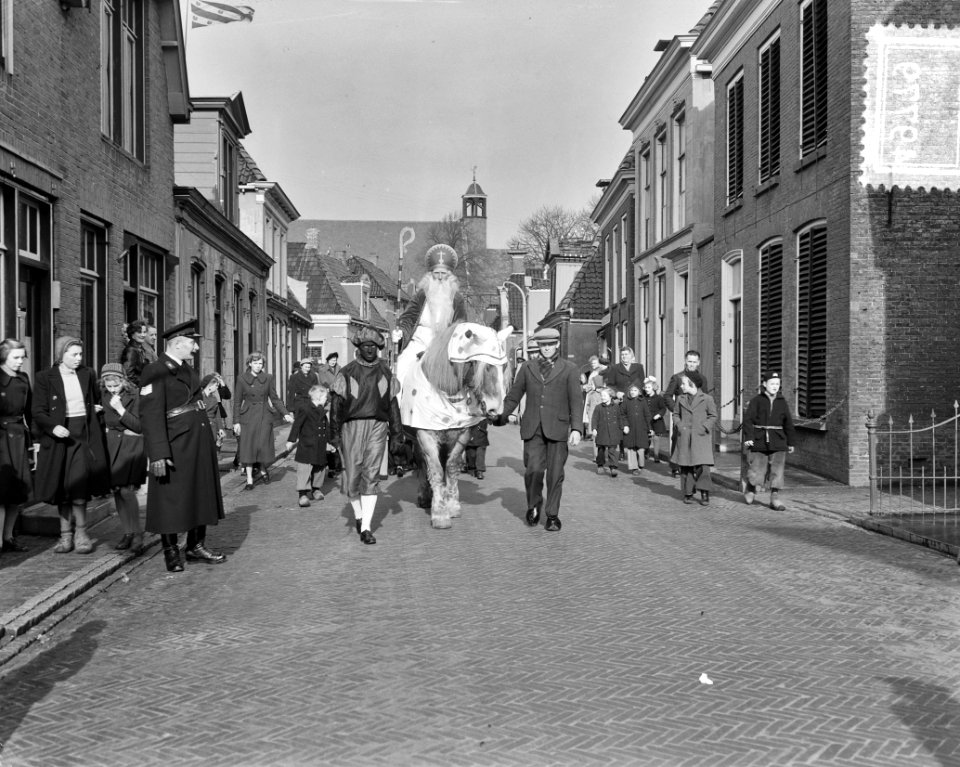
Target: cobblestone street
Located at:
point(496, 644)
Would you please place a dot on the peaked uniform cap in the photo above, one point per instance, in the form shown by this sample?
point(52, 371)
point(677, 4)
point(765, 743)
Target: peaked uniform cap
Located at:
point(369, 335)
point(442, 254)
point(187, 329)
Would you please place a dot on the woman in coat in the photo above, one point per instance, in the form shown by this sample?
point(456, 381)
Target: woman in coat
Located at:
point(125, 450)
point(591, 382)
point(15, 442)
point(254, 406)
point(694, 416)
point(135, 355)
point(72, 465)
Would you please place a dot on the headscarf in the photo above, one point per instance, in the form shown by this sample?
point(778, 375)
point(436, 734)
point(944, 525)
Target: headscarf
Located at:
point(61, 345)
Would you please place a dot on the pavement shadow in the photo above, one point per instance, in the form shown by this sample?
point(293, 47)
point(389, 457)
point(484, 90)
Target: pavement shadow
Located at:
point(232, 532)
point(508, 462)
point(35, 680)
point(512, 500)
point(931, 713)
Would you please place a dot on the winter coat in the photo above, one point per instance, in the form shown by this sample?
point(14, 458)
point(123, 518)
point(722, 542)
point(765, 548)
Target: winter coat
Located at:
point(190, 494)
point(620, 379)
point(694, 416)
point(592, 381)
point(125, 450)
point(657, 405)
point(553, 403)
point(762, 412)
point(637, 415)
point(608, 422)
point(311, 429)
point(254, 409)
point(298, 388)
point(478, 435)
point(15, 440)
point(50, 410)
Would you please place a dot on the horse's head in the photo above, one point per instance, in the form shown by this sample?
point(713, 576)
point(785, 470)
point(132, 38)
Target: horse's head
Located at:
point(470, 360)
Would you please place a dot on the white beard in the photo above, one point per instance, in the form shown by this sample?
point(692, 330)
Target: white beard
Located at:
point(438, 307)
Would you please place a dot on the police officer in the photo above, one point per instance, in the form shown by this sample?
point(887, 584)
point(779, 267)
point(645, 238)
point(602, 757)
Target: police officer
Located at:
point(550, 424)
point(184, 490)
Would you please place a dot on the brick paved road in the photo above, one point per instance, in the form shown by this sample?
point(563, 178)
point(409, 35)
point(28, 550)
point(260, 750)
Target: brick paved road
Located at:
point(494, 644)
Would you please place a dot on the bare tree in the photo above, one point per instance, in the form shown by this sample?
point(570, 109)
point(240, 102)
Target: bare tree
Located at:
point(552, 222)
point(449, 230)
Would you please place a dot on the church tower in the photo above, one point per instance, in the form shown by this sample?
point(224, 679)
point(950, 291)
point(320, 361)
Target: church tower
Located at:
point(474, 215)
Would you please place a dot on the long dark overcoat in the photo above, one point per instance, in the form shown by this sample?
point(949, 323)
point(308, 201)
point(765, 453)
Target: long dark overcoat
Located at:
point(637, 413)
point(255, 405)
point(694, 416)
point(128, 461)
point(190, 493)
point(15, 402)
point(50, 410)
point(311, 428)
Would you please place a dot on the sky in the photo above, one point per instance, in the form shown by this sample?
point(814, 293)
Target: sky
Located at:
point(381, 109)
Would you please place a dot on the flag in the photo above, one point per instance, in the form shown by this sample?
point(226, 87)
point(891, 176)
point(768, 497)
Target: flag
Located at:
point(203, 13)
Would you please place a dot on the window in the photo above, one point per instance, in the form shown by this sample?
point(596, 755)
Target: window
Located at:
point(219, 354)
point(663, 188)
point(150, 278)
point(680, 162)
point(735, 140)
point(731, 332)
point(607, 271)
point(813, 75)
point(6, 35)
point(228, 177)
point(121, 74)
point(364, 300)
point(197, 297)
point(624, 257)
point(662, 323)
point(615, 266)
point(643, 353)
point(771, 307)
point(251, 307)
point(237, 331)
point(684, 301)
point(812, 322)
point(645, 201)
point(769, 103)
point(93, 300)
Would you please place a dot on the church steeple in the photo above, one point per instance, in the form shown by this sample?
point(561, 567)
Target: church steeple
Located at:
point(474, 201)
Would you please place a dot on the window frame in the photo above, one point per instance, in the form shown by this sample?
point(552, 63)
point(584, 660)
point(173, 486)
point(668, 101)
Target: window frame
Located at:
point(122, 75)
point(814, 80)
point(6, 36)
point(680, 165)
point(812, 295)
point(770, 294)
point(735, 138)
point(624, 257)
point(645, 197)
point(663, 187)
point(768, 108)
point(93, 275)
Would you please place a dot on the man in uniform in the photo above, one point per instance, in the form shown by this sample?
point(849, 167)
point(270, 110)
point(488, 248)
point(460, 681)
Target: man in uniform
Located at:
point(554, 406)
point(184, 491)
point(364, 412)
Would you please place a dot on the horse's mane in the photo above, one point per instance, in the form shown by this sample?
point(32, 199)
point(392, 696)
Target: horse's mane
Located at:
point(445, 375)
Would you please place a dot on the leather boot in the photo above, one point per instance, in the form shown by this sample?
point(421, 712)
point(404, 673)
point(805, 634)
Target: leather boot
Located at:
point(171, 552)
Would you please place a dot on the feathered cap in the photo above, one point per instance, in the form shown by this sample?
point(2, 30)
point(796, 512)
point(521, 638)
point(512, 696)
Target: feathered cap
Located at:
point(369, 335)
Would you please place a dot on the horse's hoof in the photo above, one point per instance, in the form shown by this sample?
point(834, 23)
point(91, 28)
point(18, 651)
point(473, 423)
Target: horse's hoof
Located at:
point(443, 523)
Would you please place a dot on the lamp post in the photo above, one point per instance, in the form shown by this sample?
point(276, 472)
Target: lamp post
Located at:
point(523, 298)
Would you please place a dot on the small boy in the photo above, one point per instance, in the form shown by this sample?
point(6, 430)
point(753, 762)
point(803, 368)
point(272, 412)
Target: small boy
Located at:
point(768, 435)
point(311, 430)
point(608, 428)
point(637, 439)
point(476, 451)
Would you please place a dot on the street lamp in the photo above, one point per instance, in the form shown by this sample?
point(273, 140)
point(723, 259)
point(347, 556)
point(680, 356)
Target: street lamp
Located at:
point(523, 298)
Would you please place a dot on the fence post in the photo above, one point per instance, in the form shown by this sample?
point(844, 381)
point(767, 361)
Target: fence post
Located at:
point(872, 451)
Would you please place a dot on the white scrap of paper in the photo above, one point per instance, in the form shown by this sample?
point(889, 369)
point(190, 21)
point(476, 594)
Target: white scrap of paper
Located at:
point(704, 679)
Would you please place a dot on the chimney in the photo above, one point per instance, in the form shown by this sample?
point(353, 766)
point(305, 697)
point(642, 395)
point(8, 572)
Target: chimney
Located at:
point(517, 261)
point(313, 239)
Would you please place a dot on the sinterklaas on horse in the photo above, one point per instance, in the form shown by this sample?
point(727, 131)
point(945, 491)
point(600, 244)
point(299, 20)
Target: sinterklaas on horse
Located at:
point(456, 383)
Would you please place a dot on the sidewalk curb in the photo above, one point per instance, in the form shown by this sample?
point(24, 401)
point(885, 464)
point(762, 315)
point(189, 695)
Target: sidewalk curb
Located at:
point(15, 625)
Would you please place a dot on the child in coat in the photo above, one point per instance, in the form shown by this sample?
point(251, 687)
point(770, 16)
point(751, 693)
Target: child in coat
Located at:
point(694, 415)
point(608, 428)
point(310, 431)
point(768, 435)
point(476, 452)
point(637, 440)
point(657, 408)
point(125, 451)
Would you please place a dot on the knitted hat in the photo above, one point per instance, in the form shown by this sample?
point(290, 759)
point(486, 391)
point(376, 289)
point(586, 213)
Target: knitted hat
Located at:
point(112, 369)
point(61, 345)
point(442, 254)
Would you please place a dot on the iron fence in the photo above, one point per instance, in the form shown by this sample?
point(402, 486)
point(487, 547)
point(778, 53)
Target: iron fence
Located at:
point(914, 478)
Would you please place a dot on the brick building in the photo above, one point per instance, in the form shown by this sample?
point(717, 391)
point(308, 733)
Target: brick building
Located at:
point(88, 103)
point(835, 231)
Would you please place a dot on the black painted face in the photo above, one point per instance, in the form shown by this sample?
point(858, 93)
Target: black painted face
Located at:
point(368, 351)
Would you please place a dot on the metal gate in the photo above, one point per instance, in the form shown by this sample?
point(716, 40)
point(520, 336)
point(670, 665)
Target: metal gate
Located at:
point(914, 477)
